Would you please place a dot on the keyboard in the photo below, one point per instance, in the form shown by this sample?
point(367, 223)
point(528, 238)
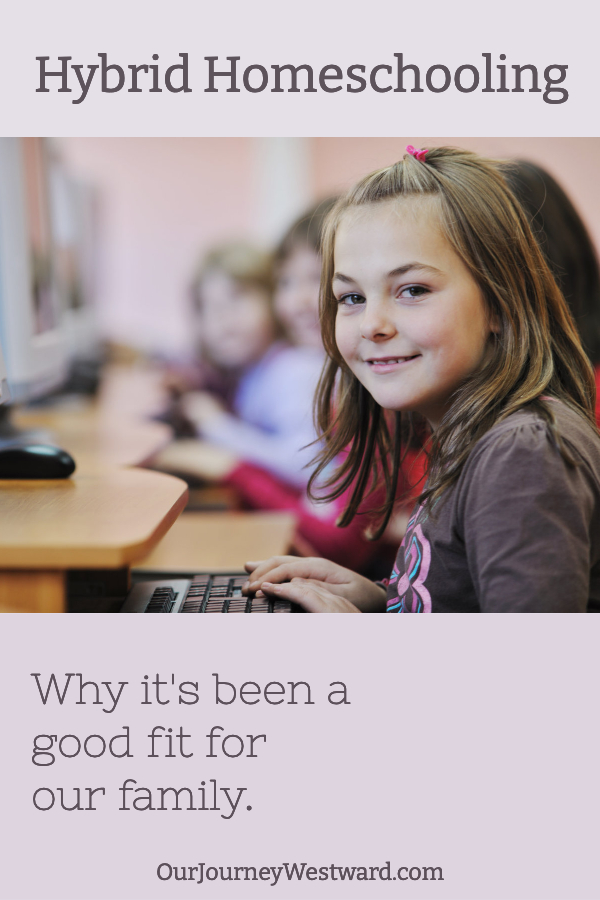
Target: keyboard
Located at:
point(199, 594)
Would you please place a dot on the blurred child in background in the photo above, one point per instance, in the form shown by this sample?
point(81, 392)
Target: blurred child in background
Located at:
point(269, 422)
point(567, 248)
point(297, 261)
point(252, 393)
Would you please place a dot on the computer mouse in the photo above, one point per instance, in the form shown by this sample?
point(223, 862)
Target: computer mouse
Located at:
point(35, 461)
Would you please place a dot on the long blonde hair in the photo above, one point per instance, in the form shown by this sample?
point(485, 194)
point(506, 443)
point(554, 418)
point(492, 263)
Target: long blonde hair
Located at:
point(536, 351)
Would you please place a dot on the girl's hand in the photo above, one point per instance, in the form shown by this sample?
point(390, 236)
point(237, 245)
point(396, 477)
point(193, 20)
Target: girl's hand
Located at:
point(201, 407)
point(334, 580)
point(312, 596)
point(198, 459)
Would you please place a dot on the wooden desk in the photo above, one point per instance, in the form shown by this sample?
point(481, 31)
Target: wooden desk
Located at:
point(106, 516)
point(220, 541)
point(99, 520)
point(96, 436)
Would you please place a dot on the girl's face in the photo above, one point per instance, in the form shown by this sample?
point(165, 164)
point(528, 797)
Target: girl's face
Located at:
point(411, 320)
point(297, 296)
point(235, 322)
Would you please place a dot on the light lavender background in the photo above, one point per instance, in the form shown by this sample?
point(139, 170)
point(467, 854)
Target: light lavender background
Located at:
point(470, 743)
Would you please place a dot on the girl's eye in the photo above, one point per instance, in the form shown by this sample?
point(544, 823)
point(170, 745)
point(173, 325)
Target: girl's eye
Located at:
point(350, 300)
point(413, 291)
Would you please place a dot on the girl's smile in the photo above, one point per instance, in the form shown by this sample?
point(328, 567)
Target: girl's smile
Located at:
point(382, 365)
point(411, 323)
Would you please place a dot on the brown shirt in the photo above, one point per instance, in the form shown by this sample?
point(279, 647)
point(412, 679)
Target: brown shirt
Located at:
point(518, 532)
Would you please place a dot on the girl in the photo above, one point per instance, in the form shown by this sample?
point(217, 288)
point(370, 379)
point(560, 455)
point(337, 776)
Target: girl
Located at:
point(437, 305)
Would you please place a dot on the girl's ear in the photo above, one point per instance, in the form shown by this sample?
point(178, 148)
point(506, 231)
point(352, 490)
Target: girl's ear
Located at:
point(494, 323)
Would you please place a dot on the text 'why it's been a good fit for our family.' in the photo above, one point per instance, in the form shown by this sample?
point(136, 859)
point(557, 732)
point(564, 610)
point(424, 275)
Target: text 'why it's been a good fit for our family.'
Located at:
point(233, 75)
point(72, 690)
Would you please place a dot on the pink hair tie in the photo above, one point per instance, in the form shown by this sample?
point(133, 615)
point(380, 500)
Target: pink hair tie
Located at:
point(418, 154)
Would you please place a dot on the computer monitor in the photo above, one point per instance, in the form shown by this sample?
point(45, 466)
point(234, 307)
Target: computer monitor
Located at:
point(4, 391)
point(74, 218)
point(32, 329)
